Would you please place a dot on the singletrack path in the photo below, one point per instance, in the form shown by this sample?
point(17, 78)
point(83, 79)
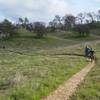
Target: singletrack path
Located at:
point(64, 91)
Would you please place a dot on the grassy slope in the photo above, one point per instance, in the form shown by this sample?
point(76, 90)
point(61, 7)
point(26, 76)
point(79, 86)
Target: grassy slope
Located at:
point(90, 88)
point(36, 72)
point(75, 36)
point(30, 77)
point(26, 41)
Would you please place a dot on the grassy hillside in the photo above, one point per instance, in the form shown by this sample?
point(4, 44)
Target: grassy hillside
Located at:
point(27, 41)
point(75, 36)
point(90, 88)
point(25, 77)
point(31, 68)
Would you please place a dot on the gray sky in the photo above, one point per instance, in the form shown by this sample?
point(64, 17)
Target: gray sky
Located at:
point(44, 10)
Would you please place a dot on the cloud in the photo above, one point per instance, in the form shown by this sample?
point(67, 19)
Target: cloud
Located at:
point(97, 0)
point(43, 10)
point(58, 7)
point(33, 9)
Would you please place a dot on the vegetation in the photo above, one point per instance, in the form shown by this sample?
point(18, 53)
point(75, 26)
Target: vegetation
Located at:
point(35, 60)
point(29, 74)
point(31, 68)
point(83, 30)
point(7, 29)
point(40, 29)
point(90, 88)
point(82, 23)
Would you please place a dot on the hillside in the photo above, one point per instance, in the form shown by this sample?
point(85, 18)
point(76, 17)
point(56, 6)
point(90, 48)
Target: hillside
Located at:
point(31, 68)
point(90, 88)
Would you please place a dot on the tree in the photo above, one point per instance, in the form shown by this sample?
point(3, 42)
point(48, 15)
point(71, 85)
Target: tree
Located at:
point(92, 19)
point(69, 21)
point(58, 19)
point(40, 29)
point(53, 25)
point(56, 23)
point(26, 21)
point(82, 29)
point(21, 21)
point(30, 27)
point(80, 18)
point(91, 16)
point(7, 27)
point(98, 16)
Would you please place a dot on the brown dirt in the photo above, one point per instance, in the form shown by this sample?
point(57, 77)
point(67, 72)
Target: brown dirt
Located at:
point(64, 91)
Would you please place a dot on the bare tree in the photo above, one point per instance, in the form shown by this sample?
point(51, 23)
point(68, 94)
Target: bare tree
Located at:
point(59, 22)
point(91, 16)
point(80, 18)
point(21, 20)
point(69, 21)
point(98, 15)
point(53, 25)
point(26, 21)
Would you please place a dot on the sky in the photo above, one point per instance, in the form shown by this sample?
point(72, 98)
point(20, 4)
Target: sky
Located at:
point(44, 10)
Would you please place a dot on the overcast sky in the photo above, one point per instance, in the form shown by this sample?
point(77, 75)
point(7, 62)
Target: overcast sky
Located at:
point(44, 10)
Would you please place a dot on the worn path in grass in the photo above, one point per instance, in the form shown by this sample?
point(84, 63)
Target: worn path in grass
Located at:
point(64, 91)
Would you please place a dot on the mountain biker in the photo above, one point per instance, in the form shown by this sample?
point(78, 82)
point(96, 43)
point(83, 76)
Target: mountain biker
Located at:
point(87, 51)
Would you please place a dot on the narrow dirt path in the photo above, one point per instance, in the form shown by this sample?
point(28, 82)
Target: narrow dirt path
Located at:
point(84, 43)
point(64, 91)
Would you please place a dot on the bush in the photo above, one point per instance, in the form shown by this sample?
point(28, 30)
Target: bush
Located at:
point(7, 28)
point(40, 29)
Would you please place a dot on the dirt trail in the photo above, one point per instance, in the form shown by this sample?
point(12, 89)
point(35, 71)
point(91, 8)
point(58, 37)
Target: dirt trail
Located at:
point(64, 91)
point(84, 43)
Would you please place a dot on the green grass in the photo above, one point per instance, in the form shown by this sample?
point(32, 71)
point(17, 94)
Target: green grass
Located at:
point(32, 75)
point(35, 71)
point(31, 43)
point(74, 36)
point(31, 68)
point(90, 88)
